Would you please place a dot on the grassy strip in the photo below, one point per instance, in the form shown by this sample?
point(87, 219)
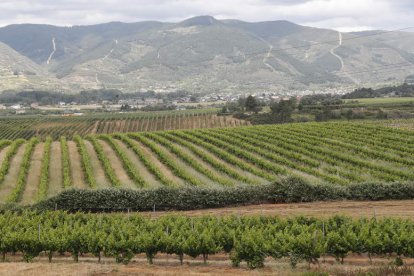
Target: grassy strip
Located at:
point(106, 164)
point(126, 162)
point(44, 174)
point(224, 155)
point(190, 160)
point(144, 159)
point(5, 165)
point(66, 172)
point(207, 158)
point(85, 161)
point(267, 151)
point(166, 160)
point(17, 192)
point(4, 143)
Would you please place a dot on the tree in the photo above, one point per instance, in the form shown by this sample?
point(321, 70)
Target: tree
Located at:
point(251, 104)
point(252, 248)
point(283, 110)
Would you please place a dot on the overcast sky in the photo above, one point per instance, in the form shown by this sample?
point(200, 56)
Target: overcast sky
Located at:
point(343, 15)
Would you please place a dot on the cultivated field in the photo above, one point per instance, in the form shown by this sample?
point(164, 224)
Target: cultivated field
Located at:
point(338, 153)
point(407, 124)
point(374, 101)
point(68, 126)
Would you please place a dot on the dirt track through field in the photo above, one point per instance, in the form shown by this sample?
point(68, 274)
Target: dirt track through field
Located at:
point(10, 180)
point(55, 170)
point(218, 264)
point(33, 175)
point(356, 209)
point(78, 180)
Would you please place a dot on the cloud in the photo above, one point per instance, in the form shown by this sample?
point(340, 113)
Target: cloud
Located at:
point(338, 14)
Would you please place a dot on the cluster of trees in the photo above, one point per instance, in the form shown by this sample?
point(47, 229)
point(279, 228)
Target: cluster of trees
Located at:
point(320, 99)
point(404, 90)
point(244, 104)
point(280, 112)
point(245, 239)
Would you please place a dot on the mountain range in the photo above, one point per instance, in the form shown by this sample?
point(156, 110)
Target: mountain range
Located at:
point(201, 55)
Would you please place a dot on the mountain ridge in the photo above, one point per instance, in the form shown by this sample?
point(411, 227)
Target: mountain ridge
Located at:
point(204, 54)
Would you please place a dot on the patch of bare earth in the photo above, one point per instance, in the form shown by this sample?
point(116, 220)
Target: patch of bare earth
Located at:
point(10, 180)
point(55, 170)
point(78, 180)
point(355, 209)
point(33, 175)
point(218, 264)
point(98, 171)
point(117, 166)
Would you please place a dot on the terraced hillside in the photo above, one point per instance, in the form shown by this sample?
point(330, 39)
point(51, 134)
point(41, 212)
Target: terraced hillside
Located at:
point(339, 153)
point(57, 126)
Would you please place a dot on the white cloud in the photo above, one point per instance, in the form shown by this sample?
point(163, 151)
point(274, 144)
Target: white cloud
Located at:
point(338, 14)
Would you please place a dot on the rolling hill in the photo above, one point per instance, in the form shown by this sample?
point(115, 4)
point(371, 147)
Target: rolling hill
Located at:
point(202, 54)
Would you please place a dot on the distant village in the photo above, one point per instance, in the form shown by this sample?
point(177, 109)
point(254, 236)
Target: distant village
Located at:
point(149, 103)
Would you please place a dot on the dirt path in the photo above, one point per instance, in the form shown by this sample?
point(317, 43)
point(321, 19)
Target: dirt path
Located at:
point(78, 180)
point(356, 209)
point(10, 180)
point(53, 51)
point(55, 172)
point(218, 264)
point(98, 171)
point(116, 164)
point(143, 171)
point(332, 51)
point(33, 176)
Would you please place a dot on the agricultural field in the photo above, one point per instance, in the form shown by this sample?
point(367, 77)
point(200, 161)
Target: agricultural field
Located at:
point(338, 153)
point(56, 126)
point(407, 124)
point(383, 100)
point(247, 242)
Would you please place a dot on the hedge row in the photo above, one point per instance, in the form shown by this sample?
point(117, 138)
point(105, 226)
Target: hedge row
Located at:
point(288, 190)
